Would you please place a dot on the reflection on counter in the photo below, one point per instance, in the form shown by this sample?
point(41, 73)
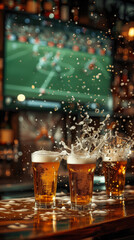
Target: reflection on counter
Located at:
point(19, 218)
point(58, 219)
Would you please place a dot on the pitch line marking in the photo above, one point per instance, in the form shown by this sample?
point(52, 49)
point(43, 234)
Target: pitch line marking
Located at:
point(57, 93)
point(48, 80)
point(19, 54)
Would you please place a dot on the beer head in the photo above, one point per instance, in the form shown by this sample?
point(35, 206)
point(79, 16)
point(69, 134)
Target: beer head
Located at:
point(82, 158)
point(116, 150)
point(42, 156)
point(113, 155)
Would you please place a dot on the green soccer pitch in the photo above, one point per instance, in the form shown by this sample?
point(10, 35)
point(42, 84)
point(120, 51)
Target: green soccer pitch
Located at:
point(70, 81)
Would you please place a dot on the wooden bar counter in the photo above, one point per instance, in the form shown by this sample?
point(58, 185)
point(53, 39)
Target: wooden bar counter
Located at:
point(20, 220)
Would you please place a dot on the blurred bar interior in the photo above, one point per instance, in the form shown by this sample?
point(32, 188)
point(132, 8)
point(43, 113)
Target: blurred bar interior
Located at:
point(58, 60)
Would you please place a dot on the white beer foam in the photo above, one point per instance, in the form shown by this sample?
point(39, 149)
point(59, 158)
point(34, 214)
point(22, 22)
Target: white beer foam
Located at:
point(81, 158)
point(114, 155)
point(42, 156)
point(116, 149)
point(113, 159)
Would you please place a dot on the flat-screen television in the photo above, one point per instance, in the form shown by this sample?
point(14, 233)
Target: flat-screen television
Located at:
point(49, 63)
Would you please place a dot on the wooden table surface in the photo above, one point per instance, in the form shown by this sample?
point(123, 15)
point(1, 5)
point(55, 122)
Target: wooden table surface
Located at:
point(19, 219)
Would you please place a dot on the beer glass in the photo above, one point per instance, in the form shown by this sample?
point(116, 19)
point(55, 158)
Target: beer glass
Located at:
point(81, 172)
point(114, 172)
point(115, 155)
point(45, 171)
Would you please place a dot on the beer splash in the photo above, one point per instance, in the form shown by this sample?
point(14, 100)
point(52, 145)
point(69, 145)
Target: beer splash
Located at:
point(90, 142)
point(116, 148)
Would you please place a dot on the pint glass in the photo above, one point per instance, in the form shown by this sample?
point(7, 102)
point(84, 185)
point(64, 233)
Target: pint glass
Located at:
point(45, 171)
point(115, 154)
point(114, 172)
point(81, 172)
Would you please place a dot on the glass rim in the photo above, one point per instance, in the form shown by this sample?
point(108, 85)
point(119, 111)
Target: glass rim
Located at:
point(114, 161)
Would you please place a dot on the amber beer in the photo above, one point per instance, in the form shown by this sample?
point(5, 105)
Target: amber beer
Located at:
point(43, 223)
point(114, 172)
point(81, 173)
point(45, 171)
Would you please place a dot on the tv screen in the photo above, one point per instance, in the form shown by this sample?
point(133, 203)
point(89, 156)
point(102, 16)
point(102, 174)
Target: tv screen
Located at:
point(49, 63)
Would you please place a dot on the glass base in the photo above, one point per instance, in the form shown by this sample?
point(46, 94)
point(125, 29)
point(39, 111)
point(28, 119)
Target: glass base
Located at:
point(39, 205)
point(120, 197)
point(80, 207)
